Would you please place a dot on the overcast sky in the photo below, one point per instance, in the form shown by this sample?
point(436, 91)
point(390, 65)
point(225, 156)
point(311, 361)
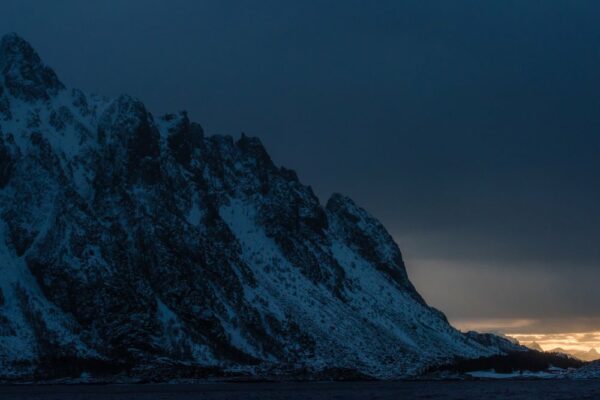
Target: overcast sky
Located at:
point(470, 128)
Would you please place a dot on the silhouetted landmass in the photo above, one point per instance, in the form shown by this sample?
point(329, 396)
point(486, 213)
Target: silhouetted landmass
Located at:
point(517, 361)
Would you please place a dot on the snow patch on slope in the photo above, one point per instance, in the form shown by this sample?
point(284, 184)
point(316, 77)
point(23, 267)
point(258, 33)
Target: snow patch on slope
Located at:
point(24, 308)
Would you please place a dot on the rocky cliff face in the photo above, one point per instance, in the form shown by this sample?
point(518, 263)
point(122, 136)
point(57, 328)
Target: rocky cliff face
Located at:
point(130, 243)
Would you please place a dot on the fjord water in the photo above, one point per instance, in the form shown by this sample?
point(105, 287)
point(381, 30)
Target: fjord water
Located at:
point(466, 390)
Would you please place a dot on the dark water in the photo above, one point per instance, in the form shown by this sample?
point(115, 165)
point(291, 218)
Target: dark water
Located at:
point(546, 390)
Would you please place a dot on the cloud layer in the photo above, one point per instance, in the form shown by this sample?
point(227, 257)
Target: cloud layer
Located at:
point(469, 128)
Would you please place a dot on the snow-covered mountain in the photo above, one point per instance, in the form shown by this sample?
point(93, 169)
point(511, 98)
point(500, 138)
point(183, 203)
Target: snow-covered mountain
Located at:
point(590, 355)
point(129, 243)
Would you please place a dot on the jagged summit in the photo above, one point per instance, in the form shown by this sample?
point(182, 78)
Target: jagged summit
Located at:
point(139, 246)
point(23, 72)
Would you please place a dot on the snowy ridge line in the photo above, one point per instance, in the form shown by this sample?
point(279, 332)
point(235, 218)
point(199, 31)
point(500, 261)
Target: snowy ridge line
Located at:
point(138, 247)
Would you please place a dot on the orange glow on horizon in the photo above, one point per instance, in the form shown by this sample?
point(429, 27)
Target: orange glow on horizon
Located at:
point(581, 341)
point(530, 332)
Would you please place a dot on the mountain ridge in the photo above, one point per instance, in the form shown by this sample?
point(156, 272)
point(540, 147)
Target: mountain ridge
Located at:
point(131, 244)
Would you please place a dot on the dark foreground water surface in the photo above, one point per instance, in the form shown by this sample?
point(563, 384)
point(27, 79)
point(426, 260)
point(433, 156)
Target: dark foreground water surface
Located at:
point(542, 389)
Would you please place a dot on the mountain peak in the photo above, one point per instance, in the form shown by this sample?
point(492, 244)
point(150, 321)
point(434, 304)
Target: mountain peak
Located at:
point(10, 39)
point(16, 50)
point(22, 71)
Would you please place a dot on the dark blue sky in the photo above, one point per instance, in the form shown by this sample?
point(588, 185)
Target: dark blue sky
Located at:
point(470, 128)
